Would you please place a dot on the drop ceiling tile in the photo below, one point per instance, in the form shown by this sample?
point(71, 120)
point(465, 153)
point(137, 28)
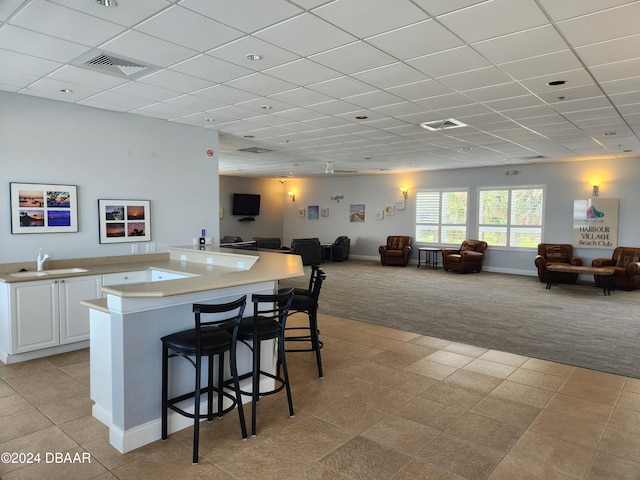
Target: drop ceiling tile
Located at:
point(353, 58)
point(387, 76)
point(210, 68)
point(330, 122)
point(602, 26)
point(262, 85)
point(51, 88)
point(230, 113)
point(13, 81)
point(373, 99)
point(164, 110)
point(175, 81)
point(256, 105)
point(581, 105)
point(83, 76)
point(225, 94)
point(299, 114)
point(134, 13)
point(8, 8)
point(242, 15)
point(39, 45)
point(65, 23)
point(188, 29)
point(310, 4)
point(443, 101)
point(514, 103)
point(401, 109)
point(616, 71)
point(611, 51)
point(115, 101)
point(334, 107)
point(145, 91)
point(147, 49)
point(302, 72)
point(301, 97)
point(549, 65)
point(574, 78)
point(621, 86)
point(483, 77)
point(312, 35)
point(493, 19)
point(574, 8)
point(237, 51)
point(197, 104)
point(365, 18)
point(420, 90)
point(449, 62)
point(415, 40)
point(497, 92)
point(342, 87)
point(18, 62)
point(522, 45)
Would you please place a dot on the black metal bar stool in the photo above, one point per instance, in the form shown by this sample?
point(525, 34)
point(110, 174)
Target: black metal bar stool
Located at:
point(306, 301)
point(211, 338)
point(268, 322)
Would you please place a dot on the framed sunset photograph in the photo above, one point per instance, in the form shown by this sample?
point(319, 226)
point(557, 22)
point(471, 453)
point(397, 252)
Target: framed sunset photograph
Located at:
point(43, 208)
point(123, 221)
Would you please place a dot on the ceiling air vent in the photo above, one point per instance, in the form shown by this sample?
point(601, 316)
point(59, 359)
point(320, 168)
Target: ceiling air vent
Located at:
point(254, 150)
point(446, 124)
point(113, 65)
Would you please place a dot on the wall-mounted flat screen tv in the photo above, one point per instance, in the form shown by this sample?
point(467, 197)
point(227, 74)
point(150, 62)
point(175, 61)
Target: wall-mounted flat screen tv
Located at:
point(246, 204)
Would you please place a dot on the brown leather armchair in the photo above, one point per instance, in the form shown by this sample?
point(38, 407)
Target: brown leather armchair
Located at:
point(626, 262)
point(467, 258)
point(556, 253)
point(397, 250)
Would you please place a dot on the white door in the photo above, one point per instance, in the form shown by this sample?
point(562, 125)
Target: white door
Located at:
point(35, 315)
point(74, 318)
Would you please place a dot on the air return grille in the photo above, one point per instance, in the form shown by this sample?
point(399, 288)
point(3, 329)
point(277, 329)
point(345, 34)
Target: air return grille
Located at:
point(442, 124)
point(114, 65)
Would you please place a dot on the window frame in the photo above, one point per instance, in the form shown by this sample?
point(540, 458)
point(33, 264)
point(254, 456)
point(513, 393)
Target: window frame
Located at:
point(441, 224)
point(510, 225)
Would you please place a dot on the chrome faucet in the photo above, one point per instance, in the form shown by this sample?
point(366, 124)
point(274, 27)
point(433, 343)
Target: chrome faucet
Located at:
point(41, 260)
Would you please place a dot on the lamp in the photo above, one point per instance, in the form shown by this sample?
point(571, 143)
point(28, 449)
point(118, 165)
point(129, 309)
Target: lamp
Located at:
point(404, 191)
point(292, 196)
point(596, 187)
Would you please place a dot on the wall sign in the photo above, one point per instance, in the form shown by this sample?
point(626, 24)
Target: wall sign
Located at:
point(595, 223)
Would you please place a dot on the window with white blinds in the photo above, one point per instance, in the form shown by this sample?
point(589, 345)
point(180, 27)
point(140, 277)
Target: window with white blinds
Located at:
point(511, 217)
point(441, 216)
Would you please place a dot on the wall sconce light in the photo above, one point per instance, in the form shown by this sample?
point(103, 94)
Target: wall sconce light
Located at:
point(596, 188)
point(405, 192)
point(292, 196)
point(337, 198)
point(329, 169)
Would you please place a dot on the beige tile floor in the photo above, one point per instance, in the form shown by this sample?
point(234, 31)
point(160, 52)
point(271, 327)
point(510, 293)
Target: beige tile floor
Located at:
point(392, 405)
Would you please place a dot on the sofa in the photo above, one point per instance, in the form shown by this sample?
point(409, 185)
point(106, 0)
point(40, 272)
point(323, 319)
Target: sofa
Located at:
point(272, 243)
point(626, 262)
point(309, 249)
point(549, 253)
point(468, 258)
point(340, 249)
point(396, 251)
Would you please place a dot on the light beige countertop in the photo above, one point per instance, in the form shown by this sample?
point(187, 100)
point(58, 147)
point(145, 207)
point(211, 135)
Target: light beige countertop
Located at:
point(203, 268)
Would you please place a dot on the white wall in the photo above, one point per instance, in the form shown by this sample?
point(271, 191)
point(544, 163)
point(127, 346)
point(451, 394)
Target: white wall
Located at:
point(268, 223)
point(564, 182)
point(108, 155)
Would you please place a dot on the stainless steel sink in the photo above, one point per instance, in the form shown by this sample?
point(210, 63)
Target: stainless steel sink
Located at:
point(44, 273)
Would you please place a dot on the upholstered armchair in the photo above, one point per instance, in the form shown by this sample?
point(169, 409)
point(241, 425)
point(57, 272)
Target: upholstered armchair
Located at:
point(340, 249)
point(467, 258)
point(626, 262)
point(309, 249)
point(397, 250)
point(556, 253)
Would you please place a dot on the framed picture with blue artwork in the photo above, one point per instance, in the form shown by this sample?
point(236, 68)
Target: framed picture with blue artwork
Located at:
point(43, 208)
point(314, 212)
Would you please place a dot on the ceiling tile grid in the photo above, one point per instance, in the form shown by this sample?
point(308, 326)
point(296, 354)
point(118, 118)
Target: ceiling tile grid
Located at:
point(348, 81)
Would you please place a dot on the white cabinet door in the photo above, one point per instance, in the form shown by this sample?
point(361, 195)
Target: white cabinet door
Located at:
point(35, 315)
point(74, 318)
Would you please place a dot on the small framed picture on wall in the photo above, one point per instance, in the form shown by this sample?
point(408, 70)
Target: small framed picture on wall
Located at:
point(123, 221)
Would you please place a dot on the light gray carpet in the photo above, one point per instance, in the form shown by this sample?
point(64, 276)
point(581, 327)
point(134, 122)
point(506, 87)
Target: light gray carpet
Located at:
point(572, 324)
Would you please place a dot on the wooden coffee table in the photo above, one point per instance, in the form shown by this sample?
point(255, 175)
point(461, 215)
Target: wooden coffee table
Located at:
point(606, 274)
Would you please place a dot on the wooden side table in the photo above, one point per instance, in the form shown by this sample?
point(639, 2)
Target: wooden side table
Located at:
point(430, 256)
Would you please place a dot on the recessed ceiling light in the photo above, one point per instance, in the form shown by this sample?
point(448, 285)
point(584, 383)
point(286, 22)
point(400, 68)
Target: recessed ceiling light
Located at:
point(361, 117)
point(556, 82)
point(465, 149)
point(254, 56)
point(248, 136)
point(609, 134)
point(66, 90)
point(107, 3)
point(208, 119)
point(266, 107)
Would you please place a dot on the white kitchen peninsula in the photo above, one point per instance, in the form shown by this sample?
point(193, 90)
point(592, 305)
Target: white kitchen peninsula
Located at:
point(127, 325)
